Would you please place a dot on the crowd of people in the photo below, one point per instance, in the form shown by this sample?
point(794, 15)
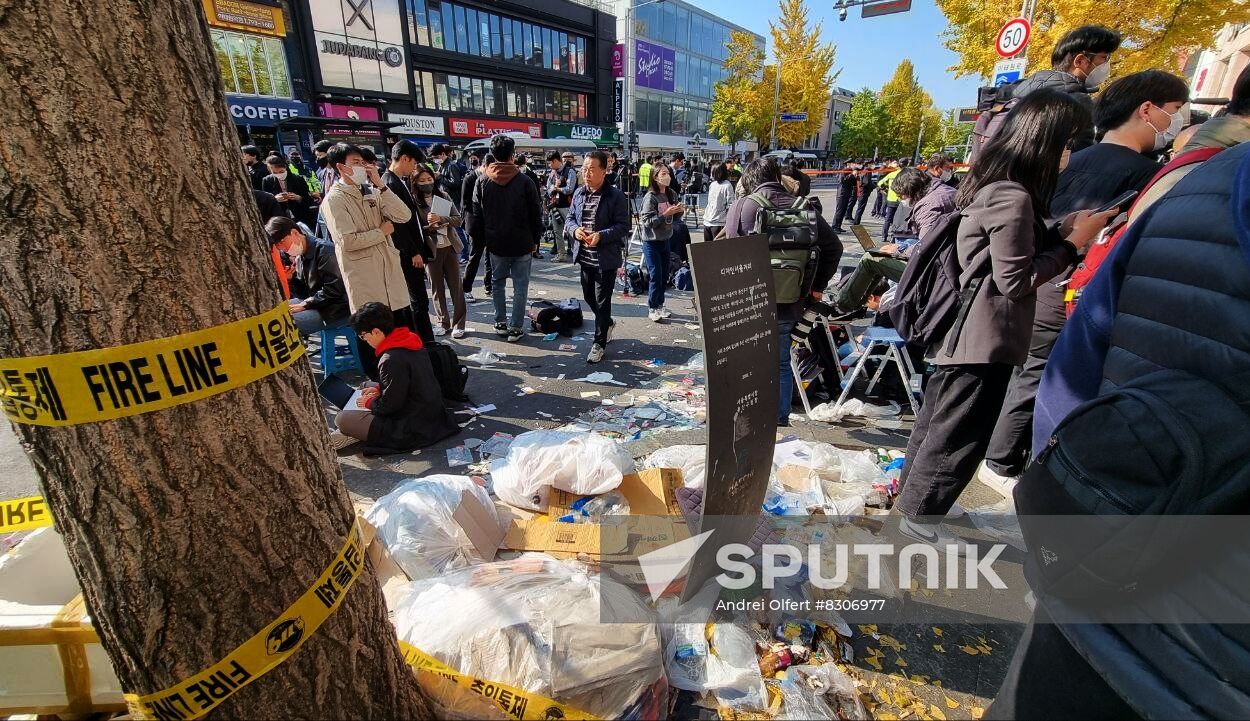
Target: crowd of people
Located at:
point(1071, 284)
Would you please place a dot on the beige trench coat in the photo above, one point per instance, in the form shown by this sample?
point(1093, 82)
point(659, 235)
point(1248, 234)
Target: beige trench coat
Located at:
point(369, 261)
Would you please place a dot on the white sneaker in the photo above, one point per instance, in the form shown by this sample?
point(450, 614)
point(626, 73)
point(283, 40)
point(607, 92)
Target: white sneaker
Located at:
point(999, 483)
point(440, 331)
point(469, 298)
point(665, 313)
point(457, 333)
point(596, 354)
point(340, 440)
point(654, 315)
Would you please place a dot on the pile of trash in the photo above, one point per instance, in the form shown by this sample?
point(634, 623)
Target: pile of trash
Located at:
point(675, 400)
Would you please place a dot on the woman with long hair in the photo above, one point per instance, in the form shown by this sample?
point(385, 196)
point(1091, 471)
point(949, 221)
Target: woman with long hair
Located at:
point(1006, 249)
point(719, 197)
point(660, 210)
point(444, 271)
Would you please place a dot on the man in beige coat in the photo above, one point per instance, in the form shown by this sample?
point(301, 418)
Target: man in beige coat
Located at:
point(360, 213)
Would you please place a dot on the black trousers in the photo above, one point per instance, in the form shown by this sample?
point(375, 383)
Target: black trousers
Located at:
point(477, 248)
point(597, 287)
point(1012, 441)
point(878, 202)
point(890, 210)
point(1049, 679)
point(846, 201)
point(415, 278)
point(860, 205)
point(961, 404)
point(369, 359)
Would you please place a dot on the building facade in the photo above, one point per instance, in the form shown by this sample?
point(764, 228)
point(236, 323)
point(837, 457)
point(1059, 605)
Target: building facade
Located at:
point(457, 71)
point(1212, 73)
point(670, 60)
point(258, 61)
point(821, 142)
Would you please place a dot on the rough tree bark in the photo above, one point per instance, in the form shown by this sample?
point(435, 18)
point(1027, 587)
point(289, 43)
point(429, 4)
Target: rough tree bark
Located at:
point(125, 216)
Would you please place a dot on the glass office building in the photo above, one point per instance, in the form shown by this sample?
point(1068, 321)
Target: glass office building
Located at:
point(676, 54)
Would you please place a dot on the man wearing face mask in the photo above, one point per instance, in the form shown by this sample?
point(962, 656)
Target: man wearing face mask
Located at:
point(361, 213)
point(408, 237)
point(1080, 62)
point(1141, 113)
point(941, 167)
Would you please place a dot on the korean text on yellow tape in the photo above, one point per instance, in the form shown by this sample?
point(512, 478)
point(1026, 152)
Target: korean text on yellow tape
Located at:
point(21, 514)
point(193, 697)
point(98, 385)
point(516, 703)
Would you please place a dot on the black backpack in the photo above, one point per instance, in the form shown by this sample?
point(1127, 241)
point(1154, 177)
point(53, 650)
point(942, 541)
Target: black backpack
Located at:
point(451, 180)
point(451, 375)
point(547, 317)
point(634, 278)
point(991, 117)
point(928, 301)
point(1147, 458)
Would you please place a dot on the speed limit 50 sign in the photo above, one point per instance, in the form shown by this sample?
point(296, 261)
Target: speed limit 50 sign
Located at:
point(1013, 37)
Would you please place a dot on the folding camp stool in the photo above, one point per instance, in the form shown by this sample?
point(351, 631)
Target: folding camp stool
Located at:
point(887, 345)
point(807, 370)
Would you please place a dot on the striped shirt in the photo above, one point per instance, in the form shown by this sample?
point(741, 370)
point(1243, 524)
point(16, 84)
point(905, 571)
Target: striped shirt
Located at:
point(590, 205)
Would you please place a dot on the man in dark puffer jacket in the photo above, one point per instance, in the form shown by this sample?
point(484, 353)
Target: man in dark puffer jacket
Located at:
point(1171, 296)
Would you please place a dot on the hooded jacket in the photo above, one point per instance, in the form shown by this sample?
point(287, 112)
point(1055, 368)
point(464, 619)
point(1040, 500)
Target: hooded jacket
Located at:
point(509, 211)
point(1067, 83)
point(409, 412)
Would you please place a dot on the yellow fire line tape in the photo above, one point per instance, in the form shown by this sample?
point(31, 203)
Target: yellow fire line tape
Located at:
point(516, 703)
point(106, 383)
point(193, 697)
point(21, 514)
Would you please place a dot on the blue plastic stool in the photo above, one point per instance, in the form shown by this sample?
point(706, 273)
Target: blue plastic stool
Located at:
point(332, 359)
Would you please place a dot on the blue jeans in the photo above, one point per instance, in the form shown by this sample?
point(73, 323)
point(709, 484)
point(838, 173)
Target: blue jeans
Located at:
point(655, 255)
point(518, 269)
point(784, 328)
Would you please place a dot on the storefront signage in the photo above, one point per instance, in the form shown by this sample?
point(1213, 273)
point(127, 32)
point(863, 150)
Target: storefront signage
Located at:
point(418, 124)
point(349, 112)
point(604, 136)
point(253, 17)
point(483, 128)
point(360, 45)
point(262, 112)
point(618, 60)
point(618, 102)
point(654, 66)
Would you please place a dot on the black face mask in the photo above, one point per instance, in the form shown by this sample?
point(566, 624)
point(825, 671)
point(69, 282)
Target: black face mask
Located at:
point(323, 161)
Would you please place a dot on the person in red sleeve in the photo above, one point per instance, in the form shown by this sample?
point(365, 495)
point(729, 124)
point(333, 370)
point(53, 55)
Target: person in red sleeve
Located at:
point(405, 410)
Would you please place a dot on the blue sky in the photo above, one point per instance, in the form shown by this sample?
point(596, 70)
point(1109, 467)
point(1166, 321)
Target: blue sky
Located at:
point(870, 49)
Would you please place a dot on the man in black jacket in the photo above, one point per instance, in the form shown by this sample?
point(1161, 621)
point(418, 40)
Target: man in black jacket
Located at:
point(408, 237)
point(290, 190)
point(509, 219)
point(269, 206)
point(477, 244)
point(597, 228)
point(256, 170)
point(450, 173)
point(847, 183)
point(317, 270)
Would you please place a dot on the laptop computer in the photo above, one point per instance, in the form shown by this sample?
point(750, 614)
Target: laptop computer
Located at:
point(866, 240)
point(336, 391)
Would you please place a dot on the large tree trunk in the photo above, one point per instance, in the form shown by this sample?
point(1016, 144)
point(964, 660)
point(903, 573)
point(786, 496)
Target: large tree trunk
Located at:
point(125, 216)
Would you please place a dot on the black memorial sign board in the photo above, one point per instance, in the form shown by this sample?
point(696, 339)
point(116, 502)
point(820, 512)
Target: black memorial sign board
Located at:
point(733, 283)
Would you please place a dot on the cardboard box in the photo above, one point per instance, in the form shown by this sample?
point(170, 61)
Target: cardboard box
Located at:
point(654, 521)
point(51, 660)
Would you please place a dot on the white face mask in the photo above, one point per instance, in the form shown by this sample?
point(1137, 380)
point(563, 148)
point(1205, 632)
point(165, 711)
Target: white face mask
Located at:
point(663, 180)
point(1164, 137)
point(359, 175)
point(1098, 75)
point(280, 176)
point(945, 175)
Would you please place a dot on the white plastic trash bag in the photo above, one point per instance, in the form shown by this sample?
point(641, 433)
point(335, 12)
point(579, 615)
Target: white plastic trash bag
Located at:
point(691, 460)
point(586, 464)
point(733, 670)
point(533, 623)
point(415, 523)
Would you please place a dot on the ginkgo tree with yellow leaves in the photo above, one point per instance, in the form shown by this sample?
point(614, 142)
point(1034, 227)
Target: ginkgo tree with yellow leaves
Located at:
point(743, 103)
point(905, 108)
point(1154, 31)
